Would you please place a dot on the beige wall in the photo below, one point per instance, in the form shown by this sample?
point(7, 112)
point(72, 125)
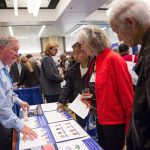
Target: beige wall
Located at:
point(59, 40)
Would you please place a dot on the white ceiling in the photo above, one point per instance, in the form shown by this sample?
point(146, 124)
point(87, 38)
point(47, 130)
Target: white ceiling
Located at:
point(59, 21)
point(23, 3)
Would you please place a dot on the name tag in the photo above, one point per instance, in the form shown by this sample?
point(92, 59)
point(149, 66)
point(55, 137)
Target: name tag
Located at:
point(92, 79)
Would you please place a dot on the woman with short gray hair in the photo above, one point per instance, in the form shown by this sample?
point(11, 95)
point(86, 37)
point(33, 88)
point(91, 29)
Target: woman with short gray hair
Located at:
point(113, 86)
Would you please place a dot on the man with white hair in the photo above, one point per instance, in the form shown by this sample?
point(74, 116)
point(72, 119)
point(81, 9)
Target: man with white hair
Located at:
point(9, 47)
point(130, 19)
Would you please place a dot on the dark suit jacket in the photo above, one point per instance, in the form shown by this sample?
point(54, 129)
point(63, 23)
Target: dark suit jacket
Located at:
point(139, 131)
point(14, 72)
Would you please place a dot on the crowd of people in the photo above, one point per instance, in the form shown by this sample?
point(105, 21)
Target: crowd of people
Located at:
point(122, 108)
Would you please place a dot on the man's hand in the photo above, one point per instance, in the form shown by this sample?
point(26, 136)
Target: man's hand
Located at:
point(24, 105)
point(28, 133)
point(60, 107)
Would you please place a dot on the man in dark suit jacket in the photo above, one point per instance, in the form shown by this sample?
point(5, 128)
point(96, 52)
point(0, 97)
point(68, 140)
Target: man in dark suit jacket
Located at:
point(17, 71)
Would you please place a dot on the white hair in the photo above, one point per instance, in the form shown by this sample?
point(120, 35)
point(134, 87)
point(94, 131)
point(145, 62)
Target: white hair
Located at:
point(5, 41)
point(96, 39)
point(129, 8)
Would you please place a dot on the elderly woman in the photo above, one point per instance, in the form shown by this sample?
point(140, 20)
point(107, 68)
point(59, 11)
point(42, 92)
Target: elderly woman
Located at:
point(50, 77)
point(113, 86)
point(130, 19)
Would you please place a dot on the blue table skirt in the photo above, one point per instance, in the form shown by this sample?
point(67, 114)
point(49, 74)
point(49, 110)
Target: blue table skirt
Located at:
point(31, 95)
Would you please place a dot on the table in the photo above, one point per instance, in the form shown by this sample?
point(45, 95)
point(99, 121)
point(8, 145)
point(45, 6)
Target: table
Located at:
point(59, 130)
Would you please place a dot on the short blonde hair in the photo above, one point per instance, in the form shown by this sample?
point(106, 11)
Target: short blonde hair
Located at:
point(96, 39)
point(50, 46)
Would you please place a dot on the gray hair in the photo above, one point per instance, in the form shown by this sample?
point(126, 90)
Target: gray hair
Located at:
point(5, 41)
point(129, 8)
point(96, 39)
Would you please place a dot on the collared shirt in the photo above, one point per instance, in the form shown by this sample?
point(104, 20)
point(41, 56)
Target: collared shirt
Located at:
point(19, 68)
point(7, 98)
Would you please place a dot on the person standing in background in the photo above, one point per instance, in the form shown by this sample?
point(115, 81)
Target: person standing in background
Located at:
point(124, 52)
point(9, 47)
point(50, 77)
point(130, 19)
point(17, 72)
point(113, 87)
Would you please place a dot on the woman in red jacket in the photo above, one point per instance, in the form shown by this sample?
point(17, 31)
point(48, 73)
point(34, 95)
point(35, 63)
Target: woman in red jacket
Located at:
point(113, 87)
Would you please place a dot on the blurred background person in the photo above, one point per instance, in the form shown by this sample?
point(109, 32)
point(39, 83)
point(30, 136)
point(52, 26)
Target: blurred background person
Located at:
point(63, 63)
point(17, 72)
point(50, 77)
point(124, 52)
point(31, 73)
point(113, 87)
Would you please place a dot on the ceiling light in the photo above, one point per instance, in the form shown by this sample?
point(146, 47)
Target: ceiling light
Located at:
point(41, 31)
point(15, 7)
point(33, 6)
point(77, 29)
point(11, 31)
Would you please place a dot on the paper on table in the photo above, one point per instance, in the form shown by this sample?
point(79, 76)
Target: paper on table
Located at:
point(49, 106)
point(42, 139)
point(32, 122)
point(78, 107)
point(55, 116)
point(73, 144)
point(66, 130)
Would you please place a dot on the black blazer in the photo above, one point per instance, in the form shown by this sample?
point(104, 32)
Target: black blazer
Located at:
point(14, 72)
point(139, 130)
point(74, 84)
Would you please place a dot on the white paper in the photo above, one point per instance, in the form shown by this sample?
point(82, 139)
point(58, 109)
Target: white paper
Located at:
point(41, 140)
point(33, 107)
point(73, 144)
point(66, 130)
point(78, 107)
point(49, 106)
point(55, 116)
point(32, 122)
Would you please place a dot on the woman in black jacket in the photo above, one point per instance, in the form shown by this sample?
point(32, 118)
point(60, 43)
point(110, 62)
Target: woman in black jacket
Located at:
point(76, 80)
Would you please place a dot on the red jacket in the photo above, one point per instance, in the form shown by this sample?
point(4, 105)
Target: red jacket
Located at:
point(128, 57)
point(114, 92)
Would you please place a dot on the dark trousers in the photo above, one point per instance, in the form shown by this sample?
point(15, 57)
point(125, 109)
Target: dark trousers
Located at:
point(5, 138)
point(51, 98)
point(111, 137)
point(82, 122)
